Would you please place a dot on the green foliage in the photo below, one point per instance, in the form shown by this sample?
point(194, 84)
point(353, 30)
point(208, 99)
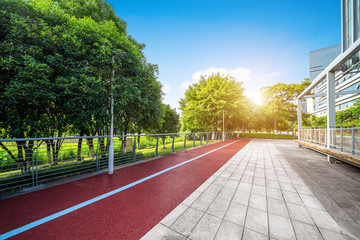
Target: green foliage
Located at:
point(346, 117)
point(279, 103)
point(56, 72)
point(170, 120)
point(204, 103)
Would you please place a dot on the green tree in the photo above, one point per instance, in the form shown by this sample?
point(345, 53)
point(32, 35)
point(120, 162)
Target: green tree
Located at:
point(204, 103)
point(170, 122)
point(279, 102)
point(56, 72)
point(98, 10)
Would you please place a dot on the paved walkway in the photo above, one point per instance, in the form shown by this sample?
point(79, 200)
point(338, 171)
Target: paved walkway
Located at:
point(271, 189)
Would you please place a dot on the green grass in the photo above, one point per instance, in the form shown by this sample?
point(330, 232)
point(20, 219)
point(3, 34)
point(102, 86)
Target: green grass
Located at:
point(267, 135)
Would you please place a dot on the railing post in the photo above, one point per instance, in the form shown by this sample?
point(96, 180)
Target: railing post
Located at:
point(341, 138)
point(32, 170)
point(319, 135)
point(97, 157)
point(36, 169)
point(352, 139)
point(185, 142)
point(325, 136)
point(194, 140)
point(157, 146)
point(173, 150)
point(207, 138)
point(134, 149)
point(200, 139)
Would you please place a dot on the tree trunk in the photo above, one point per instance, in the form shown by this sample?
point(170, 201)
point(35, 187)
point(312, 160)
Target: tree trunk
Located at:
point(90, 142)
point(29, 154)
point(123, 144)
point(20, 157)
point(275, 126)
point(138, 140)
point(163, 140)
point(78, 154)
point(56, 145)
point(48, 151)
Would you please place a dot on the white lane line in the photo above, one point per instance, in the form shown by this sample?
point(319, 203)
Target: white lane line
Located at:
point(88, 202)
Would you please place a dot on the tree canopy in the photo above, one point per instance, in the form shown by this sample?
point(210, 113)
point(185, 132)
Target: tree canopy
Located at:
point(56, 71)
point(204, 103)
point(279, 101)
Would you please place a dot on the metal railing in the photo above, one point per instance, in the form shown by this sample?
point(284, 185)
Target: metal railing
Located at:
point(28, 163)
point(344, 139)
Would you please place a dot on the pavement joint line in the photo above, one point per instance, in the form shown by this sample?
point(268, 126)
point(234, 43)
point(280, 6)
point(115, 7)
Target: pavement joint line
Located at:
point(96, 199)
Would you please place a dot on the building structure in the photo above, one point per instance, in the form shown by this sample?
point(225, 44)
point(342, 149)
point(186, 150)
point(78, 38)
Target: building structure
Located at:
point(337, 86)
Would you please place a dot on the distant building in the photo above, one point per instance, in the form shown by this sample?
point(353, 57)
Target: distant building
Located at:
point(348, 75)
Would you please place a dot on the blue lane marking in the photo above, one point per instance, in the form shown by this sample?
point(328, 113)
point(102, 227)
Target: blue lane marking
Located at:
point(88, 202)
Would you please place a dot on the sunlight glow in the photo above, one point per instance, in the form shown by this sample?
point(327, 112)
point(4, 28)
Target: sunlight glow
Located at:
point(255, 97)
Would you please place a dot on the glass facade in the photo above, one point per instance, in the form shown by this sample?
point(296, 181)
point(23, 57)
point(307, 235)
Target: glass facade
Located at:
point(351, 22)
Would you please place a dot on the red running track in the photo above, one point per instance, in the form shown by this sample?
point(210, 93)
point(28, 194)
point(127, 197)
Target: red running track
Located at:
point(126, 215)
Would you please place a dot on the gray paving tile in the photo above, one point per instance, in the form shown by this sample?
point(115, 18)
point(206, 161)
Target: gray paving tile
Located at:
point(305, 231)
point(259, 190)
point(162, 232)
point(247, 179)
point(274, 193)
point(256, 220)
point(287, 186)
point(252, 235)
point(311, 201)
point(243, 186)
point(236, 213)
point(280, 227)
point(173, 215)
point(213, 190)
point(190, 199)
point(203, 187)
point(272, 183)
point(225, 174)
point(220, 181)
point(303, 189)
point(284, 179)
point(329, 235)
point(299, 213)
point(271, 177)
point(206, 228)
point(278, 207)
point(257, 201)
point(241, 197)
point(229, 230)
point(231, 184)
point(259, 181)
point(218, 207)
point(187, 221)
point(292, 197)
point(203, 202)
point(210, 179)
point(226, 193)
point(236, 177)
point(324, 220)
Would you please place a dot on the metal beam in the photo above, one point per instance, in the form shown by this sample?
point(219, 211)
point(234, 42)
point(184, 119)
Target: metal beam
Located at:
point(333, 66)
point(336, 93)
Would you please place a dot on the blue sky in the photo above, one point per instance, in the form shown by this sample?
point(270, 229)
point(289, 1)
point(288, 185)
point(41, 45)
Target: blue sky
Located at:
point(258, 42)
